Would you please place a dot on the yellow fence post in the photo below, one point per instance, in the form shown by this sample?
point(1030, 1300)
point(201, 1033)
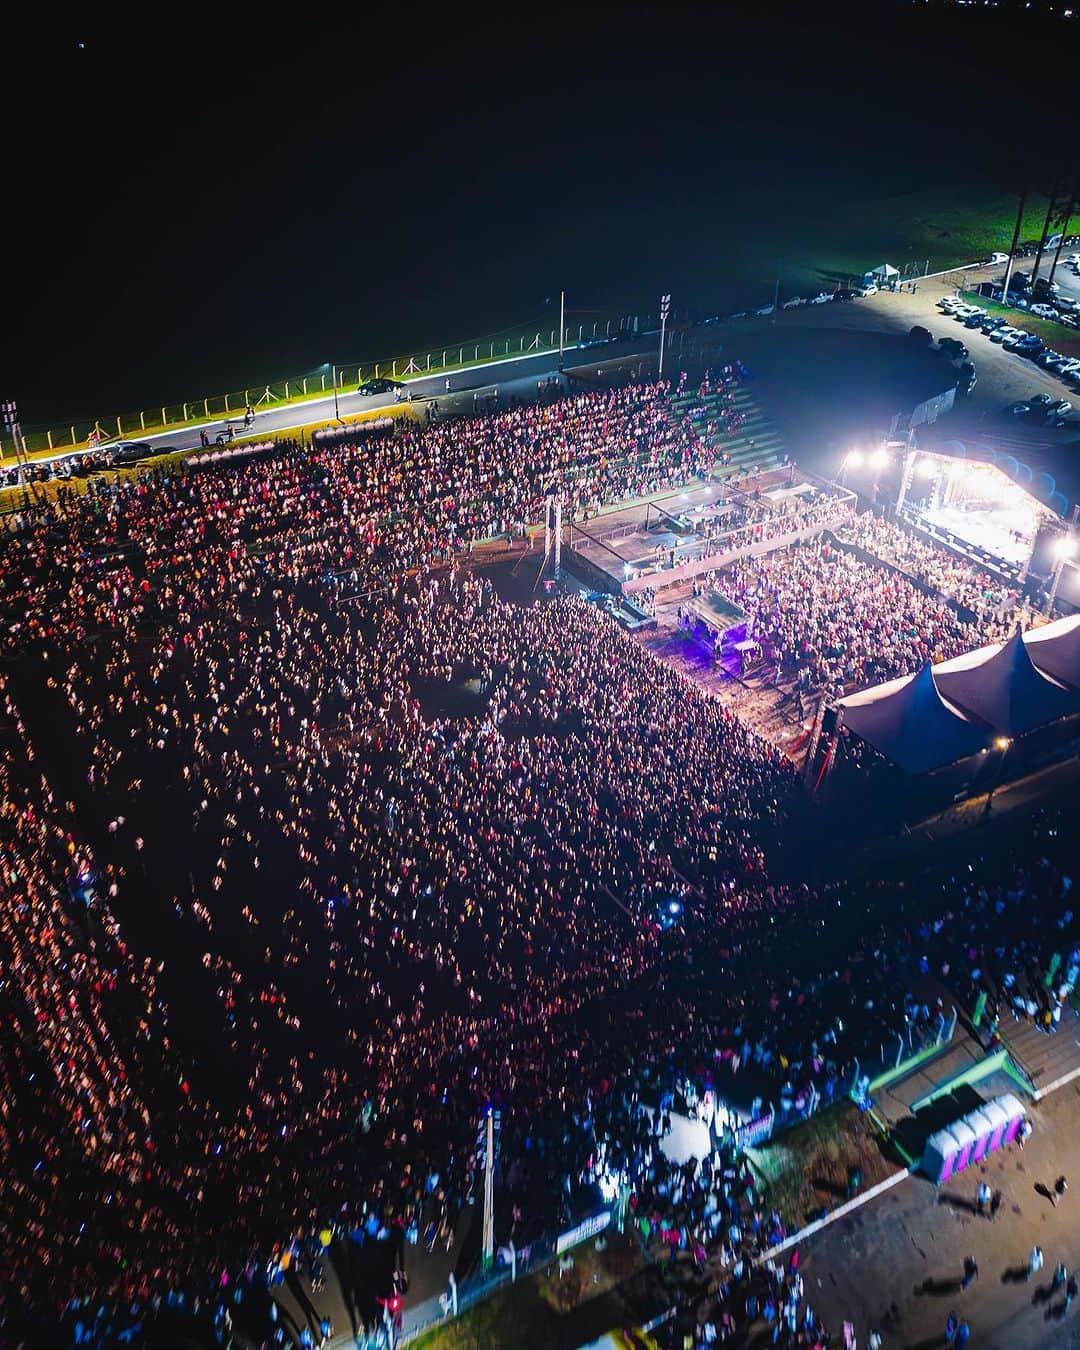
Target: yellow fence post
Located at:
point(226, 403)
point(286, 391)
point(184, 406)
point(73, 440)
point(305, 386)
point(119, 428)
point(164, 419)
point(48, 437)
point(142, 420)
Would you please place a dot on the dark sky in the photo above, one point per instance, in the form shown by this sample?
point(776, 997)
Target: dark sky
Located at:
point(193, 209)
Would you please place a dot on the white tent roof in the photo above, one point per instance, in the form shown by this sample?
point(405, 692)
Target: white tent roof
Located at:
point(1055, 649)
point(1001, 686)
point(886, 270)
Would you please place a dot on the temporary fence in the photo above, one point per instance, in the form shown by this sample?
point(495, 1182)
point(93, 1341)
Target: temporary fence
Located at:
point(511, 1264)
point(523, 340)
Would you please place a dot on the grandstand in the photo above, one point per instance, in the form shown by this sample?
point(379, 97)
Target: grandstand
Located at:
point(756, 443)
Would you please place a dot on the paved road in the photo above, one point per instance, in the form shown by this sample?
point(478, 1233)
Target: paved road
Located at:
point(514, 375)
point(908, 1247)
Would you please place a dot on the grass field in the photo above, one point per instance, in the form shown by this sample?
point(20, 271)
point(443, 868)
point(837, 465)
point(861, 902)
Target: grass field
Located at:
point(940, 227)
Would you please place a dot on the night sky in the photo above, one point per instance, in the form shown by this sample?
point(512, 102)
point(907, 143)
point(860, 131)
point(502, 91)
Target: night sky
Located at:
point(191, 210)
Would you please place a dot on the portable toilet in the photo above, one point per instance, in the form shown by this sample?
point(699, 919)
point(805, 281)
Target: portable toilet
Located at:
point(983, 1127)
point(1014, 1109)
point(999, 1119)
point(939, 1156)
point(964, 1135)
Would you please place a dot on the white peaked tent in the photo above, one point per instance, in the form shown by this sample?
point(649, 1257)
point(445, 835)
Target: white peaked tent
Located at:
point(910, 722)
point(1055, 650)
point(884, 274)
point(1001, 687)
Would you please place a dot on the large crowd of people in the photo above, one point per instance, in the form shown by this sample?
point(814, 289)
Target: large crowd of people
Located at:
point(964, 583)
point(297, 877)
point(834, 621)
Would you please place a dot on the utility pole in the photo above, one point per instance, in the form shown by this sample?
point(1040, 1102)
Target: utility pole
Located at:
point(1012, 247)
point(1070, 207)
point(337, 413)
point(562, 325)
point(665, 310)
point(1044, 236)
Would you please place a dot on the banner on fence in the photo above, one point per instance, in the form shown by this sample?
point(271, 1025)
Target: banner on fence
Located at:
point(755, 1132)
point(583, 1231)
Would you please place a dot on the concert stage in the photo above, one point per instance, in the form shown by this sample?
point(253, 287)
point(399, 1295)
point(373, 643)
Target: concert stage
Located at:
point(975, 510)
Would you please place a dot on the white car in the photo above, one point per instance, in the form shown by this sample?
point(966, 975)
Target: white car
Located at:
point(962, 312)
point(764, 310)
point(822, 298)
point(869, 289)
point(1044, 311)
point(949, 302)
point(794, 302)
point(1000, 334)
point(998, 258)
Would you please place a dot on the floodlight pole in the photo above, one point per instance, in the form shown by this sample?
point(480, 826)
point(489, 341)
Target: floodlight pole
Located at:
point(665, 309)
point(488, 1254)
point(337, 413)
point(562, 325)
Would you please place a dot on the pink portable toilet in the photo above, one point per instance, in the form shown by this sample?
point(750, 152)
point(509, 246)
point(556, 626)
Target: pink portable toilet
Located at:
point(964, 1135)
point(939, 1156)
point(999, 1118)
point(1015, 1111)
point(983, 1127)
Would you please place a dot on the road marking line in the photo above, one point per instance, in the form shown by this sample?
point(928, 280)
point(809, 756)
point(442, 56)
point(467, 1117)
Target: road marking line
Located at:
point(847, 1208)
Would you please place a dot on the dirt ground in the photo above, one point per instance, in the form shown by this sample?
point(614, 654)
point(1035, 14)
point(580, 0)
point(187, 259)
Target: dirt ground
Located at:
point(814, 1167)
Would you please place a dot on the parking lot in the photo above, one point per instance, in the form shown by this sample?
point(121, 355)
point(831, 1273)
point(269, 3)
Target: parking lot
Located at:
point(1004, 377)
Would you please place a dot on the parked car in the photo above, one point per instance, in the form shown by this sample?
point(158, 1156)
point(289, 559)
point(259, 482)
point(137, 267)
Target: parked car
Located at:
point(1001, 334)
point(975, 320)
point(1020, 409)
point(822, 298)
point(1060, 408)
point(953, 348)
point(1044, 311)
point(1071, 366)
point(868, 289)
point(992, 322)
point(794, 302)
point(1050, 359)
point(130, 452)
point(380, 386)
point(843, 293)
point(1040, 401)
